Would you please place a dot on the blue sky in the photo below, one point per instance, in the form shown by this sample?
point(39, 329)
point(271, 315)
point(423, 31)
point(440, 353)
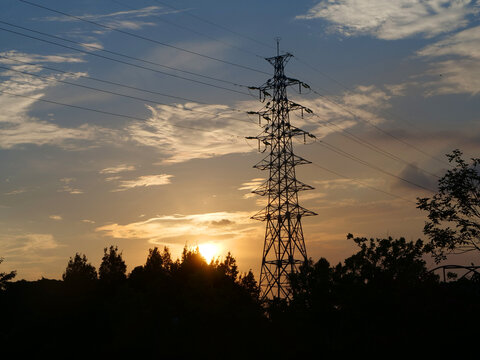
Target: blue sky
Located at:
point(395, 85)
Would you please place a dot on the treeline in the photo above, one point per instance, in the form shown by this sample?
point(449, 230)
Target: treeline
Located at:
point(381, 298)
point(164, 307)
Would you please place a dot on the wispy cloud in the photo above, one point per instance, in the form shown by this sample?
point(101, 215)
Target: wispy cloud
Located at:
point(117, 169)
point(210, 130)
point(349, 109)
point(17, 55)
point(190, 61)
point(180, 228)
point(391, 20)
point(250, 186)
point(455, 63)
point(20, 244)
point(16, 192)
point(56, 217)
point(127, 19)
point(182, 134)
point(18, 126)
point(145, 181)
point(92, 45)
point(68, 186)
point(29, 252)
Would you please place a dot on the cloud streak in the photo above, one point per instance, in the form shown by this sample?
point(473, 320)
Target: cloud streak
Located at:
point(145, 181)
point(250, 186)
point(180, 228)
point(67, 186)
point(118, 19)
point(20, 244)
point(171, 129)
point(117, 169)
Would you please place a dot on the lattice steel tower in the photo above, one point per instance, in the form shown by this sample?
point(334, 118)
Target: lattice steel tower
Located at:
point(284, 248)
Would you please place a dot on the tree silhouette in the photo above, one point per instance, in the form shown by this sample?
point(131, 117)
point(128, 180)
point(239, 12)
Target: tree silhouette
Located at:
point(454, 211)
point(79, 270)
point(380, 298)
point(112, 269)
point(248, 282)
point(380, 260)
point(158, 262)
point(229, 266)
point(6, 277)
point(192, 261)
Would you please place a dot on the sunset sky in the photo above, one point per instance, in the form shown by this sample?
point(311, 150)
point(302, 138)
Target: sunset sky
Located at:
point(394, 87)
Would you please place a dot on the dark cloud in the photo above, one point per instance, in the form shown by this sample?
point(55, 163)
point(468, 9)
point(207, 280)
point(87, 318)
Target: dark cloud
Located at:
point(414, 175)
point(223, 222)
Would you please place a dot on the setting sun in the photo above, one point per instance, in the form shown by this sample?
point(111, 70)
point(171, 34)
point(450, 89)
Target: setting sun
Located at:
point(209, 251)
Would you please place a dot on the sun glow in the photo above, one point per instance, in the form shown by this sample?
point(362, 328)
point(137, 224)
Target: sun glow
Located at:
point(209, 251)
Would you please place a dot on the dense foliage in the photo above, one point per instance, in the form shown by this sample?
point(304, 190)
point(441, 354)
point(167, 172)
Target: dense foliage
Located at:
point(454, 211)
point(5, 277)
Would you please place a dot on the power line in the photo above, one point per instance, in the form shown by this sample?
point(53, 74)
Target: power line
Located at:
point(127, 56)
point(322, 73)
point(342, 85)
point(117, 84)
point(362, 183)
point(162, 19)
point(216, 25)
point(111, 92)
point(143, 37)
point(379, 128)
point(103, 112)
point(109, 82)
point(368, 164)
point(116, 60)
point(369, 145)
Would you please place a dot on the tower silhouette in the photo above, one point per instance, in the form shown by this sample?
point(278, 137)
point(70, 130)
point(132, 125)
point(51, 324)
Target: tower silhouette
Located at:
point(284, 247)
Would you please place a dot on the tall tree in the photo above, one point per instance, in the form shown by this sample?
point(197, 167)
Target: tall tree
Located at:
point(247, 281)
point(229, 266)
point(380, 260)
point(5, 277)
point(113, 268)
point(79, 270)
point(154, 263)
point(454, 211)
point(157, 261)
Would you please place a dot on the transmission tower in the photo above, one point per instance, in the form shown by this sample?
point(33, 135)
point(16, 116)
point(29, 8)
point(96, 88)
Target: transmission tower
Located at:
point(284, 247)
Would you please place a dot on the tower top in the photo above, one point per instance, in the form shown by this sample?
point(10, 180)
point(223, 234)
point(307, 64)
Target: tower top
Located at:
point(277, 39)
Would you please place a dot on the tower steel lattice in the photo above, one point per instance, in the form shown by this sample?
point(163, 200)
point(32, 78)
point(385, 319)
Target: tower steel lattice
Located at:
point(284, 247)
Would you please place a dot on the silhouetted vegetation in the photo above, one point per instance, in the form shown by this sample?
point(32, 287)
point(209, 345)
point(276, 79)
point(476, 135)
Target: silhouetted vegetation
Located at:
point(5, 277)
point(454, 211)
point(380, 298)
point(79, 271)
point(164, 308)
